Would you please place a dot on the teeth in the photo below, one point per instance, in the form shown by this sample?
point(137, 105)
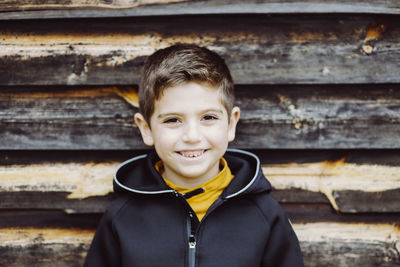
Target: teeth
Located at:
point(192, 154)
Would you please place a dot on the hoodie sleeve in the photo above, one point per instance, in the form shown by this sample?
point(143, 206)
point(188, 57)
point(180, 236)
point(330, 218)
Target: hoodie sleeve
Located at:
point(105, 248)
point(282, 249)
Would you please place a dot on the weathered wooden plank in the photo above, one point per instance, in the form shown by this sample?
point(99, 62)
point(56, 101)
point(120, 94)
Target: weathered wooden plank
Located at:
point(44, 218)
point(24, 9)
point(291, 117)
point(349, 187)
point(322, 244)
point(68, 119)
point(53, 200)
point(44, 247)
point(258, 49)
point(28, 157)
point(297, 213)
point(385, 157)
point(79, 180)
point(80, 187)
point(321, 212)
point(331, 244)
point(319, 117)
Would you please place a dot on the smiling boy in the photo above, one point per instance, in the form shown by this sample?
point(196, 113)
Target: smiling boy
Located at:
point(190, 130)
point(191, 203)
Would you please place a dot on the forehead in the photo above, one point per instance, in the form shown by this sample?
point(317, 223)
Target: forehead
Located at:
point(189, 96)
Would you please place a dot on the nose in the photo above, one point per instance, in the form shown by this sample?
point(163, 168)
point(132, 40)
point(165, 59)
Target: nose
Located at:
point(192, 133)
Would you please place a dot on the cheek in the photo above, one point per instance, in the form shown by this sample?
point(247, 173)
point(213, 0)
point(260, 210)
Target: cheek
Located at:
point(219, 136)
point(165, 139)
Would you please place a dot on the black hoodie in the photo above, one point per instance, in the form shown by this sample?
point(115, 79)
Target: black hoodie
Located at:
point(150, 224)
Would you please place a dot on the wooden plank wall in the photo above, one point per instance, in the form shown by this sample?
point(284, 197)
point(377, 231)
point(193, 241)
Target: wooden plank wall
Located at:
point(318, 82)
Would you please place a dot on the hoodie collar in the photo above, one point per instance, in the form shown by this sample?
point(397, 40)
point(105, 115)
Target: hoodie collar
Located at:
point(138, 175)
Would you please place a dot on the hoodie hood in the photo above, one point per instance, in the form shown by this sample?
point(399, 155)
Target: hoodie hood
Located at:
point(138, 175)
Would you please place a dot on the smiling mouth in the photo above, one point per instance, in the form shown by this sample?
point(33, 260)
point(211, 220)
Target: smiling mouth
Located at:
point(192, 153)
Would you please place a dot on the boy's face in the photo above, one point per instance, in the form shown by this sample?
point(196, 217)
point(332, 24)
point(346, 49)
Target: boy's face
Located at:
point(190, 129)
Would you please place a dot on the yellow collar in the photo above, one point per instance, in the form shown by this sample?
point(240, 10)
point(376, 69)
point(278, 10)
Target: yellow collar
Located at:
point(212, 189)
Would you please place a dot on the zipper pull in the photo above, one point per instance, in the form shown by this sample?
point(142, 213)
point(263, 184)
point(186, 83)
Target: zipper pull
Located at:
point(192, 251)
point(192, 242)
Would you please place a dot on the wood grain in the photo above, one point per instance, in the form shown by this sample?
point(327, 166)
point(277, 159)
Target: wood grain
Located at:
point(348, 187)
point(87, 188)
point(258, 49)
point(317, 82)
point(322, 244)
point(331, 244)
point(44, 247)
point(25, 9)
point(284, 117)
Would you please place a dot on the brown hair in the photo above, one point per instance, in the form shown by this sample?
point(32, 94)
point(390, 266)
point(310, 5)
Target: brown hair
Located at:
point(179, 64)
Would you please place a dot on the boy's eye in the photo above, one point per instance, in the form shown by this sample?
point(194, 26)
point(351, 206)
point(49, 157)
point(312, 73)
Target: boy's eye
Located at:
point(171, 120)
point(209, 117)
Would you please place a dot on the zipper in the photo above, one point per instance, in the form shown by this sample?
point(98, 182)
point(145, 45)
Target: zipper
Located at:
point(191, 240)
point(190, 227)
point(192, 224)
point(191, 232)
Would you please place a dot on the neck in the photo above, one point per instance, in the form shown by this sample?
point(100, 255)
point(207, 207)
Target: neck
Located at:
point(189, 182)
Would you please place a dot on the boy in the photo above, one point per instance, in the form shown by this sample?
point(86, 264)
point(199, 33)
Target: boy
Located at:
point(191, 203)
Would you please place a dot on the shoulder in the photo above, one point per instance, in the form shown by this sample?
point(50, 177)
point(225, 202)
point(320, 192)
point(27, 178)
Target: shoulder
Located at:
point(269, 207)
point(115, 207)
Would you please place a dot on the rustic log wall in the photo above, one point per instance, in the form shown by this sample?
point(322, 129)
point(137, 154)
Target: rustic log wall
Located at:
point(317, 81)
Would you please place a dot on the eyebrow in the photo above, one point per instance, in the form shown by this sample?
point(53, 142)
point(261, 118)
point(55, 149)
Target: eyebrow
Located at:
point(163, 115)
point(168, 114)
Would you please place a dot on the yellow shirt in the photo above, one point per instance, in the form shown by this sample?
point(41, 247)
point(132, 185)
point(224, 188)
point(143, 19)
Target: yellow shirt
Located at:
point(212, 189)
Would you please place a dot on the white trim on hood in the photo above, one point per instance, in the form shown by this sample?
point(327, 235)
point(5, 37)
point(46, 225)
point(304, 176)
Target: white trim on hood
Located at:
point(255, 175)
point(173, 191)
point(134, 190)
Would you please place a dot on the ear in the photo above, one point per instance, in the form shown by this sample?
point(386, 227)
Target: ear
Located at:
point(144, 128)
point(233, 120)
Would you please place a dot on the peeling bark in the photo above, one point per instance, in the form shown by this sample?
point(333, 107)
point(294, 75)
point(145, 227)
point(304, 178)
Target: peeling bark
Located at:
point(317, 117)
point(322, 244)
point(24, 9)
point(274, 50)
point(300, 183)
